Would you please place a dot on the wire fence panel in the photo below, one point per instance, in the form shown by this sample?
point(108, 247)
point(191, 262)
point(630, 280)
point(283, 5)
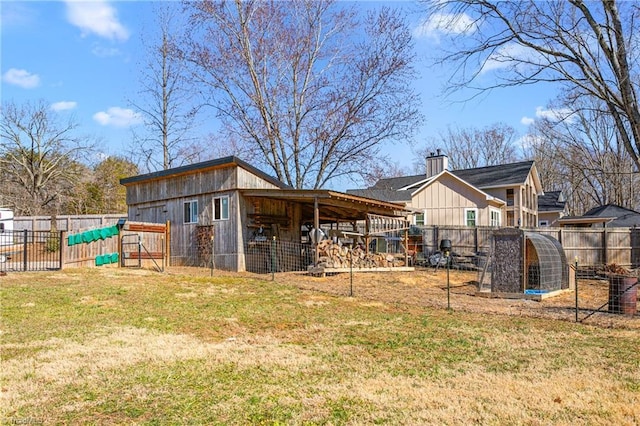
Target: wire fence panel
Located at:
point(30, 250)
point(264, 257)
point(591, 246)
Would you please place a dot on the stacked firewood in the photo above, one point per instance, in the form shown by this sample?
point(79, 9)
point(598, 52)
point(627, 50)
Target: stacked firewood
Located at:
point(615, 269)
point(333, 255)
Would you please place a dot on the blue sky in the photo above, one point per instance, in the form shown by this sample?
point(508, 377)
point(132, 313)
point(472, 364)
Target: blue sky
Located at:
point(82, 59)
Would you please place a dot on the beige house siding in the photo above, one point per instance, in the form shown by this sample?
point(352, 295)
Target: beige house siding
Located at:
point(551, 218)
point(446, 200)
point(524, 209)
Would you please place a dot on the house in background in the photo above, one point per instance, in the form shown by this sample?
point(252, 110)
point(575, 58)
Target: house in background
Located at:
point(503, 195)
point(551, 207)
point(222, 205)
point(609, 216)
point(6, 226)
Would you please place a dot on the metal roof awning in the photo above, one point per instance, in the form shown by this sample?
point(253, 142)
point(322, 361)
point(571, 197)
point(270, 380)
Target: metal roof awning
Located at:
point(332, 205)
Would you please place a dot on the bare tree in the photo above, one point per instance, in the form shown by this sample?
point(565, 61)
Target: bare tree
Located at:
point(166, 100)
point(310, 89)
point(582, 155)
point(590, 48)
point(470, 147)
point(38, 152)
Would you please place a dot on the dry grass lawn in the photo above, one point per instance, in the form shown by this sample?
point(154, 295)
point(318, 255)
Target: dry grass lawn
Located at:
point(112, 346)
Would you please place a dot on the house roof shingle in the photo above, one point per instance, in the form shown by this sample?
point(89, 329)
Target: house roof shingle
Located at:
point(550, 202)
point(480, 177)
point(624, 216)
point(493, 176)
point(390, 189)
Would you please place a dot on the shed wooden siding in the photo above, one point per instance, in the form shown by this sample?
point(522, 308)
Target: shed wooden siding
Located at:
point(159, 200)
point(192, 184)
point(446, 199)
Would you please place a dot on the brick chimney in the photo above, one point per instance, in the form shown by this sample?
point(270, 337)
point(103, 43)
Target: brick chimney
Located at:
point(436, 163)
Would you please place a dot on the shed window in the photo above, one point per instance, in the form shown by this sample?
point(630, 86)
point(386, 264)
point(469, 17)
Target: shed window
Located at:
point(191, 212)
point(419, 219)
point(221, 208)
point(494, 217)
point(471, 216)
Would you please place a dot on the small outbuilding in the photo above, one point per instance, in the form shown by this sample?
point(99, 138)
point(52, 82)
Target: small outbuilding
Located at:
point(217, 208)
point(525, 262)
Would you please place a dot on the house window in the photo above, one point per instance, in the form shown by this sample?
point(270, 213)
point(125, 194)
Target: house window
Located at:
point(543, 223)
point(510, 197)
point(191, 211)
point(419, 219)
point(471, 216)
point(494, 217)
point(221, 208)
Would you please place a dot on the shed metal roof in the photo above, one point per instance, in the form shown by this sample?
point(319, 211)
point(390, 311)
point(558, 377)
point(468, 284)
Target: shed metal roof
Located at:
point(198, 167)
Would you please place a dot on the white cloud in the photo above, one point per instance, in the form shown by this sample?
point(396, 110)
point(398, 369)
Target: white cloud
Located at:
point(551, 114)
point(118, 117)
point(22, 78)
point(97, 17)
point(63, 105)
point(527, 121)
point(445, 23)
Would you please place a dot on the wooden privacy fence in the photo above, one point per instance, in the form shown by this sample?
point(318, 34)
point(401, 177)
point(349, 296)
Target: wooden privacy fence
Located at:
point(66, 222)
point(136, 244)
point(590, 246)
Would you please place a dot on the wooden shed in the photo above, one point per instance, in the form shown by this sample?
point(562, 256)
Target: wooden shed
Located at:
point(216, 207)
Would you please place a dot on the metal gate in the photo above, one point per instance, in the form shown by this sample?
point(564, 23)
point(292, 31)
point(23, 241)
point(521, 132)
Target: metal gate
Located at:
point(22, 251)
point(134, 252)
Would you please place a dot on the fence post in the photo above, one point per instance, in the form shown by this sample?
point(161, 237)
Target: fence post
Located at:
point(605, 248)
point(576, 285)
point(475, 243)
point(24, 250)
point(273, 259)
point(351, 272)
point(62, 246)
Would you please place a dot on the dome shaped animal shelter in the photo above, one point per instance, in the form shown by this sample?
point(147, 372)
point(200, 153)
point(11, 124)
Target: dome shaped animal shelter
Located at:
point(527, 262)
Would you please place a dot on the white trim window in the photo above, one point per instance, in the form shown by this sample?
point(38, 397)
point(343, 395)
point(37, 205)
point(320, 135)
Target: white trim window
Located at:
point(221, 208)
point(471, 217)
point(495, 218)
point(191, 211)
point(420, 219)
point(543, 223)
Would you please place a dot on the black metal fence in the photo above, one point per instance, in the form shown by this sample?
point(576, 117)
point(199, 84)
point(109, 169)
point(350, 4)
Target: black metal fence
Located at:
point(30, 250)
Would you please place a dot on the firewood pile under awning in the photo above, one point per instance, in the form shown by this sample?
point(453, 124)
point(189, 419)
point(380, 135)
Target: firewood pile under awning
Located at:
point(333, 255)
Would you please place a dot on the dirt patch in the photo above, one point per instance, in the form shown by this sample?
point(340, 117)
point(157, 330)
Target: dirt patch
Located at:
point(428, 288)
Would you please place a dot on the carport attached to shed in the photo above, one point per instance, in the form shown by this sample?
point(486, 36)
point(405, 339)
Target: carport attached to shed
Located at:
point(295, 208)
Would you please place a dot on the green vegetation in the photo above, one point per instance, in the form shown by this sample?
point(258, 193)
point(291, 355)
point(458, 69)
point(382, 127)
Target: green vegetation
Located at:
point(122, 347)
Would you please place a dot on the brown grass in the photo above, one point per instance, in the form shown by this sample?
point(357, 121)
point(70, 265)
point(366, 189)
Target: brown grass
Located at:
point(134, 347)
